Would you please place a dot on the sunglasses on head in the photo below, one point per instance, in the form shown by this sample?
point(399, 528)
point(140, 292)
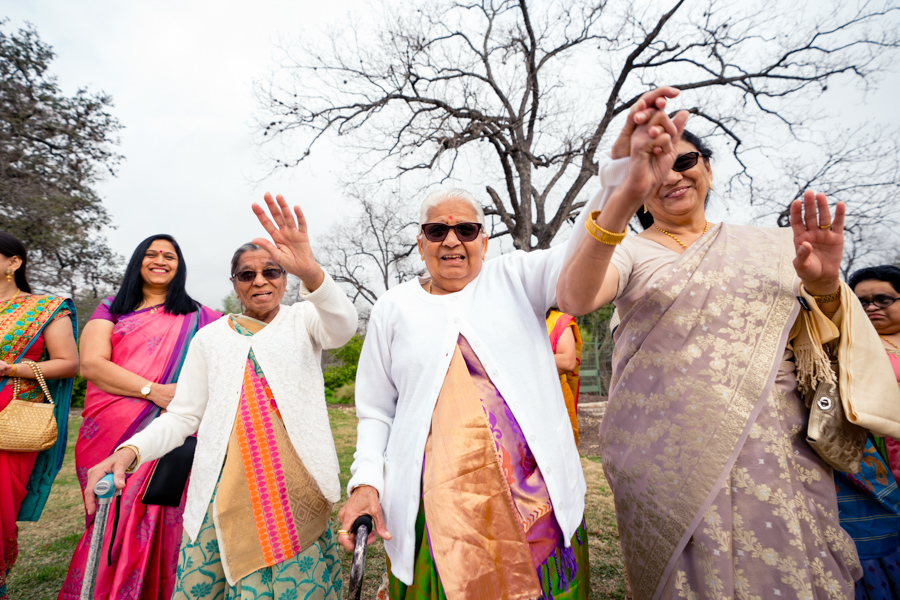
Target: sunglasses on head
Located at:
point(437, 232)
point(880, 301)
point(685, 161)
point(270, 273)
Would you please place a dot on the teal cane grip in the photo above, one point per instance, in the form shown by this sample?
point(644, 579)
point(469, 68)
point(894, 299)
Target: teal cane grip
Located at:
point(105, 488)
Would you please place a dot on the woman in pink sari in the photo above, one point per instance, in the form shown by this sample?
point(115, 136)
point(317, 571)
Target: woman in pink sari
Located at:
point(717, 492)
point(37, 334)
point(877, 288)
point(132, 350)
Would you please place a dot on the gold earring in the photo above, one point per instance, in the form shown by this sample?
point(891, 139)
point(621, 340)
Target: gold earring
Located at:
point(9, 273)
point(710, 184)
point(645, 208)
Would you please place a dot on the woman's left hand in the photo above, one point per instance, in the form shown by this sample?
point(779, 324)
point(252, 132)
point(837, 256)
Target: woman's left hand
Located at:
point(819, 248)
point(291, 248)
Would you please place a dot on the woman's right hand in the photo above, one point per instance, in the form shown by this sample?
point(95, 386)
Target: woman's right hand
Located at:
point(161, 394)
point(649, 138)
point(115, 464)
point(363, 501)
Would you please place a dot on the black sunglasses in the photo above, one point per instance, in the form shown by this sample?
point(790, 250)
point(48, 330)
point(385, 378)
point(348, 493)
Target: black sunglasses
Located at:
point(879, 301)
point(271, 274)
point(437, 232)
point(685, 161)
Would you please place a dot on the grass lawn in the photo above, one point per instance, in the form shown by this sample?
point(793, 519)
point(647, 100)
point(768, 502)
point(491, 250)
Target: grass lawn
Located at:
point(46, 547)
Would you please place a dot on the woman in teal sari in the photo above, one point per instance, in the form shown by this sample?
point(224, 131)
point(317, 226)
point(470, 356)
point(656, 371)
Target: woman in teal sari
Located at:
point(38, 332)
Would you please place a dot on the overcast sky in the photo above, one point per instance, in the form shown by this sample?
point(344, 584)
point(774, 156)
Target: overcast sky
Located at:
point(181, 76)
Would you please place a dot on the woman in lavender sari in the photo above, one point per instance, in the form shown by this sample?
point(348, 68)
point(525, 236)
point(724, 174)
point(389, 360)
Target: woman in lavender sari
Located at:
point(717, 493)
point(132, 350)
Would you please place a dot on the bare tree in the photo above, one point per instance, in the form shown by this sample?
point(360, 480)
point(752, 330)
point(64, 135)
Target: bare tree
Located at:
point(531, 89)
point(860, 169)
point(372, 251)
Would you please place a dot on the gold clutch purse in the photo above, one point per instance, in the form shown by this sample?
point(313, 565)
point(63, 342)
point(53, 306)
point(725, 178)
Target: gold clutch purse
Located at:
point(28, 426)
point(835, 439)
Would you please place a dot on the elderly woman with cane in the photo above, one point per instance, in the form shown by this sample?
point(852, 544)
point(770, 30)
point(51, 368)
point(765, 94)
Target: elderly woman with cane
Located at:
point(265, 472)
point(464, 447)
point(724, 329)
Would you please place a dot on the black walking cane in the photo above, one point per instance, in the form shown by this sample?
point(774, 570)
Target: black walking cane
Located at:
point(362, 526)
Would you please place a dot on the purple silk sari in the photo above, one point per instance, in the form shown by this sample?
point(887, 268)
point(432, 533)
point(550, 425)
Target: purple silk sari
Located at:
point(717, 494)
point(151, 343)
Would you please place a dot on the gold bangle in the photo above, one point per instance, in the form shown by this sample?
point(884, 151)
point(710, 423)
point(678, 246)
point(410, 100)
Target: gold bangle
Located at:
point(605, 237)
point(137, 458)
point(826, 299)
point(15, 369)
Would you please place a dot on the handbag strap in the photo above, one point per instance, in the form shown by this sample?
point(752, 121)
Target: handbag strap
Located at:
point(39, 375)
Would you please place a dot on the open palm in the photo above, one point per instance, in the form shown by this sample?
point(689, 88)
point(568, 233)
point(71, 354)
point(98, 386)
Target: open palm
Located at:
point(291, 246)
point(818, 241)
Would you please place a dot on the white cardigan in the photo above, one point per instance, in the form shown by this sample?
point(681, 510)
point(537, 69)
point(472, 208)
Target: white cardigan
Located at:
point(408, 347)
point(411, 338)
point(209, 388)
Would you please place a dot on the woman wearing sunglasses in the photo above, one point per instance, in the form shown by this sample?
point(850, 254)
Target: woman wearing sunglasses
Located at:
point(465, 455)
point(869, 501)
point(132, 350)
point(717, 493)
point(265, 474)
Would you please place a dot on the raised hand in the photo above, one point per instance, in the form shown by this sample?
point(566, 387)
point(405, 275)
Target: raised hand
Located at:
point(818, 241)
point(652, 151)
point(648, 104)
point(291, 246)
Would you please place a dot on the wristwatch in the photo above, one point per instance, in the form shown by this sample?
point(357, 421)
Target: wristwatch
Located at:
point(146, 390)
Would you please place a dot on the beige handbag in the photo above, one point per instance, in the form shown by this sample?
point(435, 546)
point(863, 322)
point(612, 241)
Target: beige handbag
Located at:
point(28, 426)
point(835, 439)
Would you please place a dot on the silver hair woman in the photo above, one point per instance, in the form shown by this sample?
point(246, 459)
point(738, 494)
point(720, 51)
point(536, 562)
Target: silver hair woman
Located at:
point(463, 428)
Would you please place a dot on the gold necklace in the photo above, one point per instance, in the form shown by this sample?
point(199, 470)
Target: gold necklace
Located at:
point(10, 299)
point(675, 238)
point(889, 342)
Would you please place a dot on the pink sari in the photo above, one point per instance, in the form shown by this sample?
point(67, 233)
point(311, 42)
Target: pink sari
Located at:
point(153, 344)
point(892, 446)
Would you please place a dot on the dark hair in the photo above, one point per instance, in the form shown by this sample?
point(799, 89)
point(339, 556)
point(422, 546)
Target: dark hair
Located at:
point(11, 246)
point(131, 292)
point(645, 218)
point(887, 273)
point(236, 257)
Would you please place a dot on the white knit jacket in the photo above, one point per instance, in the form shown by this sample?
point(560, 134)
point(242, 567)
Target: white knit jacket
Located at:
point(209, 389)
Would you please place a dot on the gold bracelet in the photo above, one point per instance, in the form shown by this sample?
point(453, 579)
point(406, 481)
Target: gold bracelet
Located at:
point(605, 237)
point(137, 458)
point(15, 369)
point(826, 299)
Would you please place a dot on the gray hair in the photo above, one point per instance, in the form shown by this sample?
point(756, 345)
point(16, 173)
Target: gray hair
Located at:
point(440, 196)
point(239, 253)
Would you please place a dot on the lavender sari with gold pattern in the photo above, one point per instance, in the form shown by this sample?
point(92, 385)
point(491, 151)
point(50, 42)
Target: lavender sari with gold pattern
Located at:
point(703, 443)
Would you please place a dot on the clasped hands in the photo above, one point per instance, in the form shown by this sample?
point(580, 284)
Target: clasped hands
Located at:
point(649, 138)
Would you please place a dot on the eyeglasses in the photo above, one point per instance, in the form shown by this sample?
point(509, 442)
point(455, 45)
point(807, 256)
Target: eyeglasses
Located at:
point(437, 232)
point(271, 274)
point(879, 301)
point(685, 161)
